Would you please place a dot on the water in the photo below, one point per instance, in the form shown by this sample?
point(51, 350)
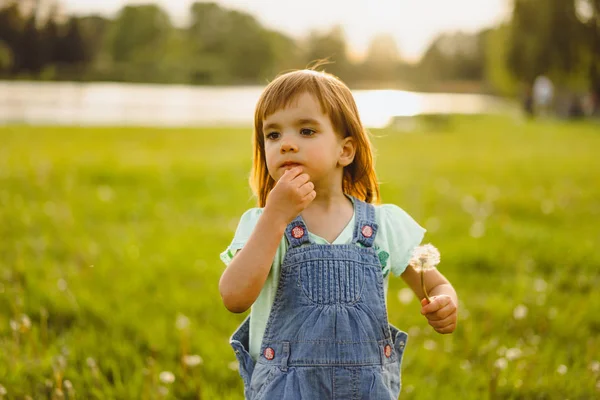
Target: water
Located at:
point(59, 103)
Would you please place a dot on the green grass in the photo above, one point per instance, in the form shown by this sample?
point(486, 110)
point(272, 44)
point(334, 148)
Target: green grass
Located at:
point(107, 235)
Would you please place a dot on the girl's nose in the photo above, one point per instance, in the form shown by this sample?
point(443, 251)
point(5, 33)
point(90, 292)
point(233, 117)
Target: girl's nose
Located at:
point(287, 146)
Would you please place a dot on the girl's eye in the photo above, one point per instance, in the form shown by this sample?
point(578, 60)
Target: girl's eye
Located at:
point(307, 132)
point(272, 135)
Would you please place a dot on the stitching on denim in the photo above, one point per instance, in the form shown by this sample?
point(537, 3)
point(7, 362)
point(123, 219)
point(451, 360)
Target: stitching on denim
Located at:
point(349, 303)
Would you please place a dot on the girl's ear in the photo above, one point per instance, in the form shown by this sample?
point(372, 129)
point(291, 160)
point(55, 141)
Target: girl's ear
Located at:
point(347, 151)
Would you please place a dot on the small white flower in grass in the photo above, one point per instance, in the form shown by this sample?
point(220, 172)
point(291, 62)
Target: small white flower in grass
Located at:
point(540, 285)
point(234, 366)
point(562, 369)
point(68, 385)
point(595, 366)
point(513, 353)
point(424, 258)
point(14, 325)
point(90, 362)
point(405, 295)
point(192, 360)
point(62, 285)
point(3, 391)
point(166, 377)
point(429, 344)
point(501, 363)
point(182, 322)
point(520, 311)
point(25, 323)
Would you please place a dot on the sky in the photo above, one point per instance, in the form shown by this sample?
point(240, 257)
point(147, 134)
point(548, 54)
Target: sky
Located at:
point(412, 23)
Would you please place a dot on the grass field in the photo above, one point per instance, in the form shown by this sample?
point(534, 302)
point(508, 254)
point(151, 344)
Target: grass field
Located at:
point(109, 244)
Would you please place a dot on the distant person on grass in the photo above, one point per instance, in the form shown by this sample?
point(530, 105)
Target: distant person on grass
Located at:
point(314, 259)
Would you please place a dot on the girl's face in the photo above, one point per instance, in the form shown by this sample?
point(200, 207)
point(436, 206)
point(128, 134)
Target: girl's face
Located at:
point(302, 135)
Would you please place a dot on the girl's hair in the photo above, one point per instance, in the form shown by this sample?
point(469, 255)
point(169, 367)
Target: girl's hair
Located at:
point(335, 98)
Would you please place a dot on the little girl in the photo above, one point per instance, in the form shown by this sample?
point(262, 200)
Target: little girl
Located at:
point(313, 260)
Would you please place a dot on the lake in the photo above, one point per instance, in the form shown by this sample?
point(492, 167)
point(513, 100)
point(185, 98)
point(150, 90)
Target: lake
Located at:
point(89, 104)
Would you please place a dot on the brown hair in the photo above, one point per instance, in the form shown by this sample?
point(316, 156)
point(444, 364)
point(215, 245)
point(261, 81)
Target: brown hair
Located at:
point(335, 98)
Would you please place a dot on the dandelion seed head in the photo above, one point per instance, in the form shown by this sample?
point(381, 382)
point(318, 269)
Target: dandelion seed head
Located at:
point(520, 312)
point(513, 353)
point(192, 360)
point(562, 369)
point(540, 285)
point(25, 323)
point(68, 385)
point(234, 365)
point(477, 229)
point(425, 257)
point(14, 325)
point(405, 295)
point(501, 363)
point(182, 322)
point(429, 344)
point(3, 391)
point(166, 377)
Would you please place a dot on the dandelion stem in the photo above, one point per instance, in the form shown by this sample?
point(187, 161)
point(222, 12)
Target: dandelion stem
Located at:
point(423, 285)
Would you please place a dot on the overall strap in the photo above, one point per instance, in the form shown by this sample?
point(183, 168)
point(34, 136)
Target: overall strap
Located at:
point(365, 228)
point(296, 232)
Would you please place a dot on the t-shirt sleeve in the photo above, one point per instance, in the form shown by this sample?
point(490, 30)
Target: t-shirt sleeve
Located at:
point(401, 235)
point(242, 233)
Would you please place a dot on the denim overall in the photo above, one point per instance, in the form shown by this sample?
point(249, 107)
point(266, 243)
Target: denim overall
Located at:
point(328, 335)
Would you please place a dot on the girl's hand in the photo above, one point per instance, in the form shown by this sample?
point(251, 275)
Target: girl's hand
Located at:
point(292, 193)
point(441, 313)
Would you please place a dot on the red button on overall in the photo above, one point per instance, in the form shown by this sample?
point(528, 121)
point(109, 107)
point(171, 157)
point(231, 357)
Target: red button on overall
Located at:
point(388, 350)
point(298, 232)
point(269, 353)
point(367, 231)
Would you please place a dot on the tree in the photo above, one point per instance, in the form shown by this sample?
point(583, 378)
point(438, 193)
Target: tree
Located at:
point(545, 38)
point(138, 41)
point(11, 30)
point(329, 46)
point(382, 60)
point(6, 58)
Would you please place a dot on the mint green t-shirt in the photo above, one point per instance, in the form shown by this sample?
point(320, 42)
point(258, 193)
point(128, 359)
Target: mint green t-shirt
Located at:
point(397, 236)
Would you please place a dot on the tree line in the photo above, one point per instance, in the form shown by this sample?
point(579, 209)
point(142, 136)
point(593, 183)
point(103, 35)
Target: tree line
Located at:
point(558, 38)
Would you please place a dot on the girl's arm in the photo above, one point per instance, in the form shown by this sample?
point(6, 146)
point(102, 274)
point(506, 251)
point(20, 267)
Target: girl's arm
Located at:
point(245, 276)
point(442, 312)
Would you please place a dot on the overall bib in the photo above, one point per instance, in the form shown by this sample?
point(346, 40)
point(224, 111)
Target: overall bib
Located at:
point(327, 336)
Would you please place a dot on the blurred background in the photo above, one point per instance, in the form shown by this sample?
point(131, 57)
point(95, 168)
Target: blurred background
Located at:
point(125, 151)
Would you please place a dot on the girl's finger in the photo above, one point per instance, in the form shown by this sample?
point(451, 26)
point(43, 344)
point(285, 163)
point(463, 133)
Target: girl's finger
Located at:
point(442, 313)
point(447, 329)
point(306, 188)
point(443, 322)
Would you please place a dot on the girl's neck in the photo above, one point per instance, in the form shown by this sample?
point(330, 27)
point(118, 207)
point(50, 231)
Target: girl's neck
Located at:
point(329, 197)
